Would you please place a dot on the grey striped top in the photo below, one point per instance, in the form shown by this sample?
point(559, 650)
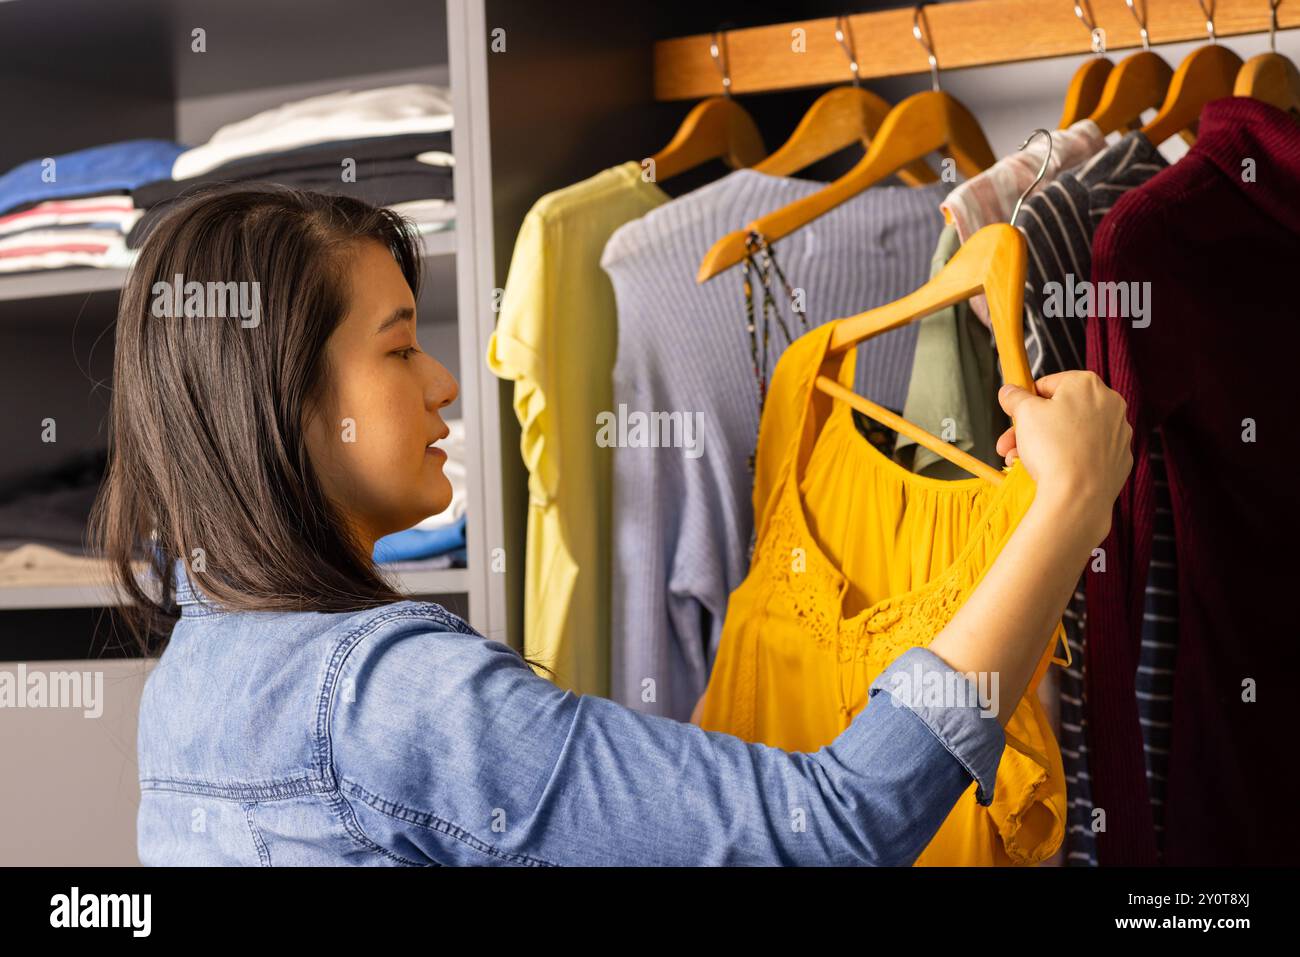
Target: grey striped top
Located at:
point(683, 516)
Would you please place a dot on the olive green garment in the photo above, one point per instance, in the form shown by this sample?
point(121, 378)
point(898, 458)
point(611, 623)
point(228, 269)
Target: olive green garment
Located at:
point(955, 379)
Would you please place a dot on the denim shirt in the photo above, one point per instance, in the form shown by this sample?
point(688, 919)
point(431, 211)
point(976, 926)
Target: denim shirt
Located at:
point(401, 736)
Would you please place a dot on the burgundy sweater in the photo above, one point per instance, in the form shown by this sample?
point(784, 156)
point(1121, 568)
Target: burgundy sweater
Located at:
point(1217, 236)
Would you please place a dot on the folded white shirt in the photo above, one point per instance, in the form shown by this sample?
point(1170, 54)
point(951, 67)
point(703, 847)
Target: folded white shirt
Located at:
point(56, 248)
point(344, 115)
point(425, 210)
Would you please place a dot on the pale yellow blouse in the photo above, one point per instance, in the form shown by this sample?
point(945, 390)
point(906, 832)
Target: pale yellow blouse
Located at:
point(556, 337)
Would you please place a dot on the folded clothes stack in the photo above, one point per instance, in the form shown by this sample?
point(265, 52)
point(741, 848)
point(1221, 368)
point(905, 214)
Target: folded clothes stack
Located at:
point(389, 147)
point(94, 207)
point(432, 548)
point(428, 215)
point(50, 504)
point(439, 540)
point(75, 209)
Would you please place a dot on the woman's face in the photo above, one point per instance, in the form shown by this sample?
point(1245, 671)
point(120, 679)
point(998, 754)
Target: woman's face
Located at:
point(371, 442)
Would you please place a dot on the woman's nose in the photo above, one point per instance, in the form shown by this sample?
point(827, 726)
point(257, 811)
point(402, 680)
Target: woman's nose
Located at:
point(442, 389)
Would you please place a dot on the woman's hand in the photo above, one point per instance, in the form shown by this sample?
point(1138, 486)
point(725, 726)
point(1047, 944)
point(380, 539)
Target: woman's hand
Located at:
point(1074, 439)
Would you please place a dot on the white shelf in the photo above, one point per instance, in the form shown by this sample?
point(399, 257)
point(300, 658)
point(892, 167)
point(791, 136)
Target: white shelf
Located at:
point(60, 282)
point(435, 581)
point(59, 596)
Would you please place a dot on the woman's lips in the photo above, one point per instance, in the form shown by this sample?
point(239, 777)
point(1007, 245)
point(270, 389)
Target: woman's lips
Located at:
point(435, 451)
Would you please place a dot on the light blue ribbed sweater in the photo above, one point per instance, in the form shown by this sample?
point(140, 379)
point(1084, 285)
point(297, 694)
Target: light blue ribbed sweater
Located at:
point(682, 519)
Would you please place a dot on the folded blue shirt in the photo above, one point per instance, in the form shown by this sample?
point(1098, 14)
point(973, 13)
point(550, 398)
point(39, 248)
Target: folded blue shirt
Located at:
point(420, 543)
point(113, 167)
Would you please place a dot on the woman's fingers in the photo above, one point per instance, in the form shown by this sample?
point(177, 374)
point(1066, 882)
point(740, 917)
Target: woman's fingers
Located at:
point(1048, 384)
point(1011, 396)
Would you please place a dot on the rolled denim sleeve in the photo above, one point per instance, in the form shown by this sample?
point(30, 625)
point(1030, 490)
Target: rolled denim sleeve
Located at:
point(974, 739)
point(448, 749)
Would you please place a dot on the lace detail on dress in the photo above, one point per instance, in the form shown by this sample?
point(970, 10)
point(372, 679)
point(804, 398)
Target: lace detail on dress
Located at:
point(794, 573)
point(800, 577)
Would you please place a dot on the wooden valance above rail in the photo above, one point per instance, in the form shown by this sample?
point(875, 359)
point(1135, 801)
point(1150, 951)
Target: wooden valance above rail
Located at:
point(973, 33)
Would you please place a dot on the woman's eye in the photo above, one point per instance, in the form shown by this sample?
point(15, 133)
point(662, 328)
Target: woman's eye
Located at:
point(406, 353)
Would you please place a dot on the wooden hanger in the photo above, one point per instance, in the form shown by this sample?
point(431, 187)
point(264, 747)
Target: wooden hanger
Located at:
point(1207, 73)
point(1270, 77)
point(1084, 92)
point(1137, 83)
point(716, 128)
point(838, 119)
point(992, 261)
point(919, 125)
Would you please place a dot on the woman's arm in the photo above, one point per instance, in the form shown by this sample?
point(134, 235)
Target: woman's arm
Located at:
point(447, 746)
point(1075, 442)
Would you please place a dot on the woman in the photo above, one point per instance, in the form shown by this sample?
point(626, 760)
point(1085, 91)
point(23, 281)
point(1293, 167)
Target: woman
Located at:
point(303, 712)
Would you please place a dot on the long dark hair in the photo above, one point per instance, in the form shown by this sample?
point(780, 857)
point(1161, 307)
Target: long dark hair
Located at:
point(207, 449)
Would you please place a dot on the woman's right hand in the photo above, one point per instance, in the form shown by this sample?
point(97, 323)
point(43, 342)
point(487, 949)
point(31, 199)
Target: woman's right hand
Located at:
point(1074, 439)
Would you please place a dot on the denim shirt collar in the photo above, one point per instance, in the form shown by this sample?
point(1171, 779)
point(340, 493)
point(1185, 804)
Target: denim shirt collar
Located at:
point(191, 600)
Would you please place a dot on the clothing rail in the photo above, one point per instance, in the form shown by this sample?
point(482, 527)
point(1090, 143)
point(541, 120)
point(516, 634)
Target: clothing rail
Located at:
point(974, 33)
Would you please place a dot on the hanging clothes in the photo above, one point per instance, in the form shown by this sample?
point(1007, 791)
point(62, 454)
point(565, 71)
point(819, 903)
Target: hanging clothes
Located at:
point(955, 395)
point(682, 522)
point(857, 561)
point(1216, 236)
point(555, 337)
point(953, 392)
point(991, 196)
point(1059, 221)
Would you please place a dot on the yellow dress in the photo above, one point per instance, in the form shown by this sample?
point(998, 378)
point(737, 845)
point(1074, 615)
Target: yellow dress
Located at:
point(856, 559)
point(556, 338)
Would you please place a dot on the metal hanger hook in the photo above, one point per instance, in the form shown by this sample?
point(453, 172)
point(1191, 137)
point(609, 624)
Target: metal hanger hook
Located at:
point(1272, 26)
point(1042, 170)
point(1083, 10)
point(1142, 24)
point(1209, 19)
point(926, 45)
point(841, 32)
point(718, 50)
